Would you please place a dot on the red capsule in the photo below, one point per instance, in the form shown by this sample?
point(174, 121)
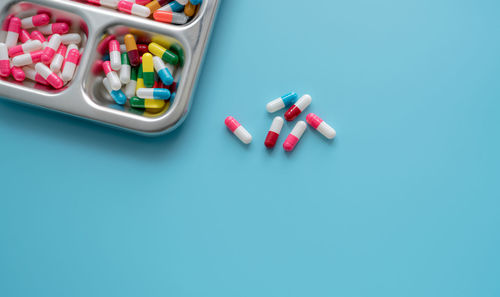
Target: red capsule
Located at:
point(274, 132)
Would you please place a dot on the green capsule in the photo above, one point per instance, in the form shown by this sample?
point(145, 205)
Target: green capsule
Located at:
point(148, 70)
point(137, 102)
point(163, 53)
point(179, 51)
point(125, 60)
point(133, 73)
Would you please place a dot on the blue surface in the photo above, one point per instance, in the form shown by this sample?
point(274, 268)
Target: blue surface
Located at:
point(404, 202)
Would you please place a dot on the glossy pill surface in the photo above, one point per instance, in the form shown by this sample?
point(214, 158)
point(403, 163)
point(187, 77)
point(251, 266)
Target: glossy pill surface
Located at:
point(281, 102)
point(294, 136)
point(295, 110)
point(321, 126)
point(234, 126)
point(274, 132)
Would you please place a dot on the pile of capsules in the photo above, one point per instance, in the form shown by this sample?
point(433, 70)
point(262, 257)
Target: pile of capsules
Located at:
point(166, 11)
point(296, 107)
point(130, 69)
point(36, 48)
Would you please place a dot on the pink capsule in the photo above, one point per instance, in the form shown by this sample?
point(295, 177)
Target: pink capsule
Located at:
point(49, 76)
point(321, 126)
point(50, 50)
point(70, 65)
point(38, 36)
point(45, 11)
point(115, 55)
point(35, 21)
point(58, 60)
point(55, 28)
point(5, 27)
point(97, 68)
point(27, 59)
point(13, 32)
point(18, 74)
point(113, 78)
point(4, 61)
point(238, 130)
point(28, 47)
point(135, 9)
point(31, 74)
point(103, 46)
point(294, 136)
point(24, 36)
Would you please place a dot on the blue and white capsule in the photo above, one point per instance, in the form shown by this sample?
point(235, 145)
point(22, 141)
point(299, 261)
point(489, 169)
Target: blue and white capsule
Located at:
point(282, 102)
point(173, 6)
point(118, 95)
point(162, 70)
point(153, 93)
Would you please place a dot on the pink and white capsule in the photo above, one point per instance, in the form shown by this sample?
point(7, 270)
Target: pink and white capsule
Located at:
point(24, 36)
point(321, 126)
point(70, 65)
point(294, 136)
point(135, 9)
point(35, 21)
point(71, 38)
point(4, 61)
point(27, 59)
point(38, 36)
point(5, 27)
point(31, 74)
point(107, 3)
point(58, 58)
point(55, 28)
point(28, 47)
point(13, 32)
point(70, 47)
point(50, 50)
point(115, 56)
point(238, 130)
point(113, 78)
point(18, 74)
point(49, 76)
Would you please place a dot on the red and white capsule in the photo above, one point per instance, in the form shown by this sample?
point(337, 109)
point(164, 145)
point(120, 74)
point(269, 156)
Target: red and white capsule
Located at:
point(27, 59)
point(31, 74)
point(25, 48)
point(115, 57)
point(295, 110)
point(55, 28)
point(49, 76)
point(113, 78)
point(238, 130)
point(294, 136)
point(35, 21)
point(274, 132)
point(70, 65)
point(13, 32)
point(321, 126)
point(58, 60)
point(50, 50)
point(4, 61)
point(18, 74)
point(5, 27)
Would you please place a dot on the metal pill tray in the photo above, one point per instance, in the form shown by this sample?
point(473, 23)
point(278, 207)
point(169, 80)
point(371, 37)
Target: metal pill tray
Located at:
point(84, 96)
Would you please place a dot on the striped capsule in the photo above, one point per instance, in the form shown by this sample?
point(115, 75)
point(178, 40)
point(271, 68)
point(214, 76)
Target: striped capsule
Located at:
point(70, 64)
point(130, 87)
point(103, 46)
point(238, 130)
point(274, 132)
point(148, 70)
point(55, 28)
point(31, 74)
point(117, 95)
point(69, 38)
point(106, 3)
point(137, 102)
point(132, 51)
point(114, 55)
point(133, 8)
point(162, 70)
point(125, 69)
point(27, 59)
point(58, 60)
point(50, 50)
point(281, 102)
point(35, 21)
point(153, 93)
point(18, 73)
point(54, 80)
point(4, 61)
point(25, 48)
point(170, 17)
point(321, 126)
point(295, 110)
point(24, 36)
point(294, 136)
point(114, 81)
point(13, 32)
point(163, 53)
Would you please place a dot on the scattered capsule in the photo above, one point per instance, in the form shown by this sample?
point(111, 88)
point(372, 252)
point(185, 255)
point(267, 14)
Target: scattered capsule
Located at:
point(321, 126)
point(132, 84)
point(50, 50)
point(163, 53)
point(281, 102)
point(114, 81)
point(274, 132)
point(125, 69)
point(54, 80)
point(13, 32)
point(135, 9)
point(137, 102)
point(294, 136)
point(148, 71)
point(133, 53)
point(153, 93)
point(24, 36)
point(114, 55)
point(163, 72)
point(58, 60)
point(18, 74)
point(117, 95)
point(299, 106)
point(170, 17)
point(27, 59)
point(70, 64)
point(103, 45)
point(74, 38)
point(238, 130)
point(25, 48)
point(31, 74)
point(4, 61)
point(55, 28)
point(35, 21)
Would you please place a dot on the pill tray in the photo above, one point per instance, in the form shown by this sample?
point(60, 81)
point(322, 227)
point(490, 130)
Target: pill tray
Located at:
point(80, 97)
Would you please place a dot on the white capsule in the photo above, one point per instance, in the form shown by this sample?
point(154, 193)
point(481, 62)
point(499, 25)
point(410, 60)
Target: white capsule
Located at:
point(114, 80)
point(27, 59)
point(70, 47)
point(106, 84)
point(125, 73)
point(110, 3)
point(71, 38)
point(130, 88)
point(277, 125)
point(11, 39)
point(116, 60)
point(57, 62)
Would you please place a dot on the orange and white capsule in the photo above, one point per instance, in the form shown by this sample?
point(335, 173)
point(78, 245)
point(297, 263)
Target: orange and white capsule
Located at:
point(321, 126)
point(238, 130)
point(274, 132)
point(35, 21)
point(294, 136)
point(25, 48)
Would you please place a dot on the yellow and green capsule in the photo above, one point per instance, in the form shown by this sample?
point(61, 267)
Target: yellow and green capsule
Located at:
point(148, 70)
point(163, 53)
point(137, 102)
point(177, 49)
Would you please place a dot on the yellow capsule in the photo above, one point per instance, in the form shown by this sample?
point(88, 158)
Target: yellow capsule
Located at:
point(164, 41)
point(153, 6)
point(189, 9)
point(148, 71)
point(151, 113)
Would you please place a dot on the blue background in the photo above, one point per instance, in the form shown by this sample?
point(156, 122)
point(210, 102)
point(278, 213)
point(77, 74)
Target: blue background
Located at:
point(404, 202)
